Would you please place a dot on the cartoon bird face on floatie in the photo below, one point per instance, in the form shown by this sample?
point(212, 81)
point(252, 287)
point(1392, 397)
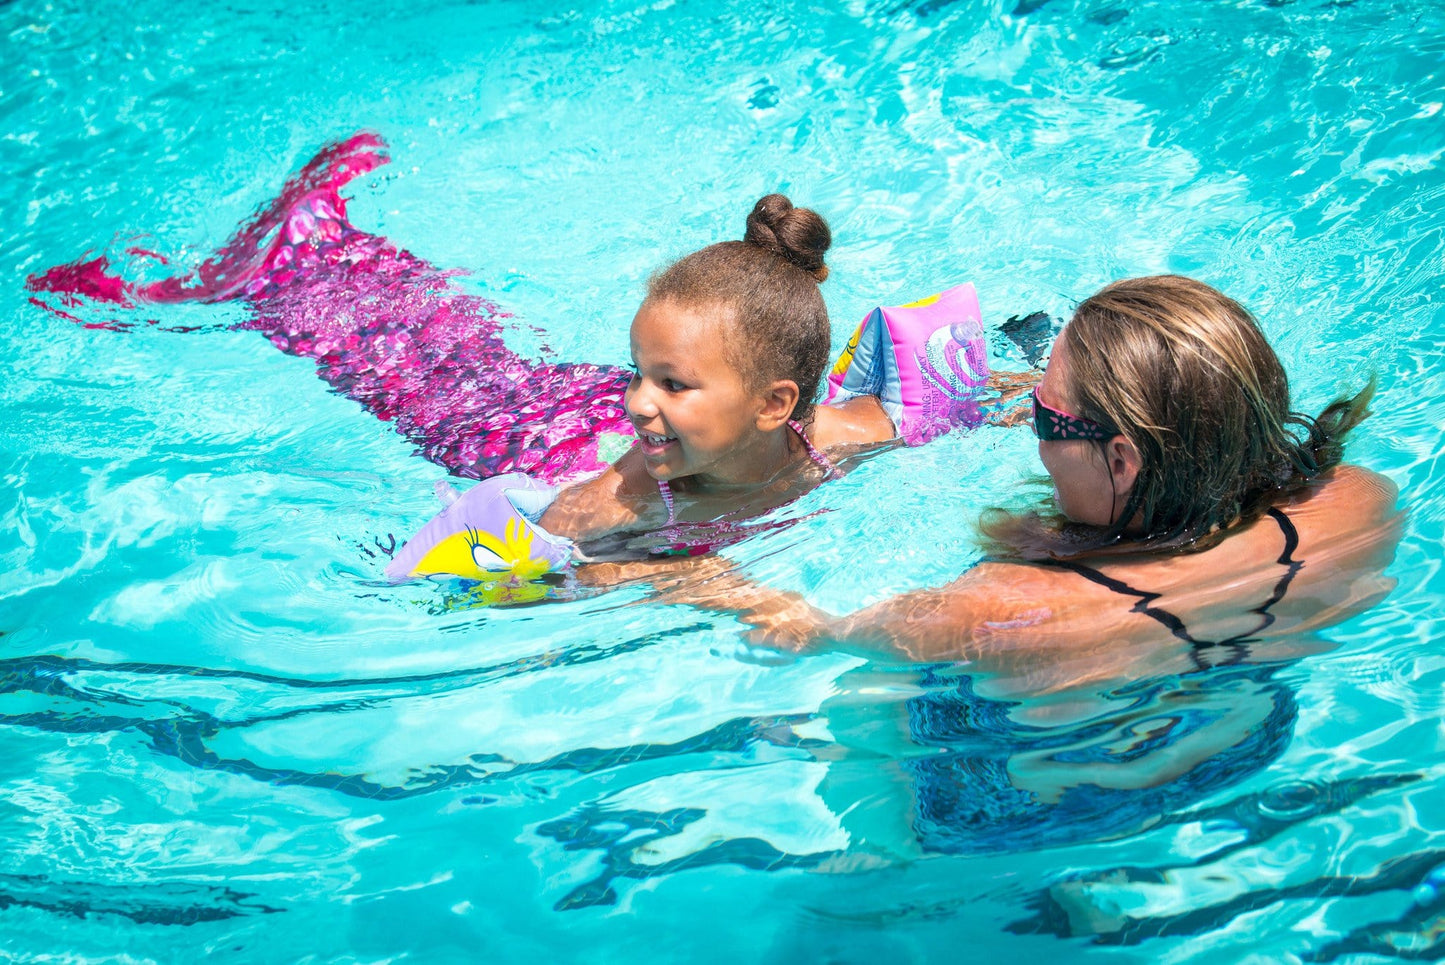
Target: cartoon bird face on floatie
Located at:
point(486, 534)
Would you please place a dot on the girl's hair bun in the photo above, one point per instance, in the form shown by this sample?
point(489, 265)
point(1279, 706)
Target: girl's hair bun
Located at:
point(798, 234)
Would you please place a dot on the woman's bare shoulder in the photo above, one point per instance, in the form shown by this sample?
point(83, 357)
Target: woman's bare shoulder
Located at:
point(1355, 485)
point(1344, 501)
point(1349, 524)
point(1346, 524)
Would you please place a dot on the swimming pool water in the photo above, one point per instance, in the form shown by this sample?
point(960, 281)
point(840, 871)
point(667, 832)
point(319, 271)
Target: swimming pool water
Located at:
point(220, 733)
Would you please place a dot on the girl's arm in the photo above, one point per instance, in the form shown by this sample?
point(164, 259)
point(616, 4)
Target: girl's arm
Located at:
point(623, 497)
point(856, 421)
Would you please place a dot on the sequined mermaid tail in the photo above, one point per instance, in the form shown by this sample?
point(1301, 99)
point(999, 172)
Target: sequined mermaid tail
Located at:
point(389, 330)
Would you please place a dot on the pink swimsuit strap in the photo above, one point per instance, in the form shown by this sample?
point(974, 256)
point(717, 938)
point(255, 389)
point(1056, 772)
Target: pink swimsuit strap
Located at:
point(665, 491)
point(813, 452)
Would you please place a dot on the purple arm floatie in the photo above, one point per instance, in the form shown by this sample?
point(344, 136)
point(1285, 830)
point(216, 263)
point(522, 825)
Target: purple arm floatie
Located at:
point(489, 532)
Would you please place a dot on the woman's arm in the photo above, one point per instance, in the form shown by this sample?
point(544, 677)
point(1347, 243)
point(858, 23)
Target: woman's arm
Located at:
point(1039, 628)
point(1012, 388)
point(861, 419)
point(1033, 629)
point(778, 618)
point(992, 606)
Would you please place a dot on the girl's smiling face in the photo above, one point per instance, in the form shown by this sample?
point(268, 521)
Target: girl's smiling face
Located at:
point(695, 414)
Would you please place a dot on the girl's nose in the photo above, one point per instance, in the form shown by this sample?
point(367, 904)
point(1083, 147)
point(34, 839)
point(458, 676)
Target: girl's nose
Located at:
point(639, 401)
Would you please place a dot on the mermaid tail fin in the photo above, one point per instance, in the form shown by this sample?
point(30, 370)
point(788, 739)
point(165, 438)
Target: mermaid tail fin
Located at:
point(310, 198)
point(386, 329)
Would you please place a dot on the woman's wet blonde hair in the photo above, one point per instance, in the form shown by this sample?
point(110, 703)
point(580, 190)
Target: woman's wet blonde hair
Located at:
point(1185, 374)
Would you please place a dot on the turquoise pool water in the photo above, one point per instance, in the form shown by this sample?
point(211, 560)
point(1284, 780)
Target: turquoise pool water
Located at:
point(222, 735)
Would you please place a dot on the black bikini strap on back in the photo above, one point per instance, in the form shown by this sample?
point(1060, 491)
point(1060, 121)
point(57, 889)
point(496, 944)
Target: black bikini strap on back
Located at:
point(1287, 560)
point(1146, 598)
point(1176, 627)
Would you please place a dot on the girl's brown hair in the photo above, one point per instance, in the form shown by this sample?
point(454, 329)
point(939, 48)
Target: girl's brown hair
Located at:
point(1185, 374)
point(768, 283)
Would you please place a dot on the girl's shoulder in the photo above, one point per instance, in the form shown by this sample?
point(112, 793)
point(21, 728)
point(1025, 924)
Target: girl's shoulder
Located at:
point(623, 497)
point(857, 421)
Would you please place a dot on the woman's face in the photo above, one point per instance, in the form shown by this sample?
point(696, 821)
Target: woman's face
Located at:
point(1083, 486)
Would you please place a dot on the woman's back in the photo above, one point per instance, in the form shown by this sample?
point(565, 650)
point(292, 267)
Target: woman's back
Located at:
point(1312, 561)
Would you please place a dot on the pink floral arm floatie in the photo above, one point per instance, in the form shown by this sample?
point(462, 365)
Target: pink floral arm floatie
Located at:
point(927, 363)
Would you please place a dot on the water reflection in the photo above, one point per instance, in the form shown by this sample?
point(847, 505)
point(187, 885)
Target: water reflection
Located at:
point(921, 764)
point(901, 764)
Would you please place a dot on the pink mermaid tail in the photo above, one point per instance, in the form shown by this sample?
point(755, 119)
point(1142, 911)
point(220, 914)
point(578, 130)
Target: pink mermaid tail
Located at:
point(388, 330)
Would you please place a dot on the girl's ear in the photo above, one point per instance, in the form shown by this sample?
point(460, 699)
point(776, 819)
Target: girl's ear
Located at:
point(779, 399)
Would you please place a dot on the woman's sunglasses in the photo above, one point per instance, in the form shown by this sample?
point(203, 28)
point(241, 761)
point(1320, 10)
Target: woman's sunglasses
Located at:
point(1056, 425)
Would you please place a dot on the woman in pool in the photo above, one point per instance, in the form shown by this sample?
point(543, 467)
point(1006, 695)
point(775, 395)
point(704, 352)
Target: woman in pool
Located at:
point(1190, 505)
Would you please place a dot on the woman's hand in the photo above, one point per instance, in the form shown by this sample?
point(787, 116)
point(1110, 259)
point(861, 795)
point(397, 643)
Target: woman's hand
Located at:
point(779, 619)
point(1012, 390)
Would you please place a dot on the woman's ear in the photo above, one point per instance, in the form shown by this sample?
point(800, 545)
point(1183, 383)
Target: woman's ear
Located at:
point(1124, 464)
point(779, 399)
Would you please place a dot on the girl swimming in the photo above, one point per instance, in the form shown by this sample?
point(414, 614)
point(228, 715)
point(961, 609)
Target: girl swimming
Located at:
point(728, 352)
point(716, 423)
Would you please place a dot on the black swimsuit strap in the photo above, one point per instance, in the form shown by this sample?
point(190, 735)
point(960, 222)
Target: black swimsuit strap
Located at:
point(1176, 626)
point(1287, 560)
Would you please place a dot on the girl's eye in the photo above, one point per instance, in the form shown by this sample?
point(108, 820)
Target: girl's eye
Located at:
point(672, 385)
